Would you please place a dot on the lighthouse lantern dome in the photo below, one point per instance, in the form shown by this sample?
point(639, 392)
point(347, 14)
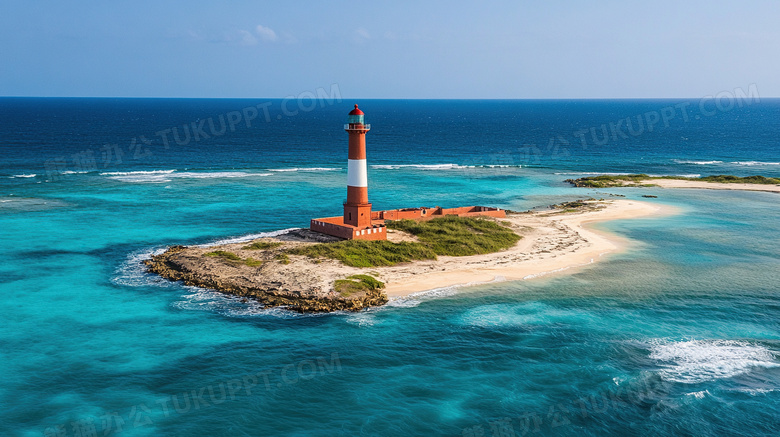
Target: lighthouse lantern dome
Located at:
point(356, 116)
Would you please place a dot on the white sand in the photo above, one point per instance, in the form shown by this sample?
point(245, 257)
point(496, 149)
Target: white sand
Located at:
point(552, 242)
point(675, 183)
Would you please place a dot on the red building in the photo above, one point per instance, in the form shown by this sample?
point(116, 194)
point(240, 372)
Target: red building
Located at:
point(358, 221)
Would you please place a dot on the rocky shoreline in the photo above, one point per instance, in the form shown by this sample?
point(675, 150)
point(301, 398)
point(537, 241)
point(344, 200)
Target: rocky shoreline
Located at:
point(265, 274)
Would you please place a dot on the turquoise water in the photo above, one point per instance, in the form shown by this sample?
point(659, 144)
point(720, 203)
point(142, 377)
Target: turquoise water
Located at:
point(680, 335)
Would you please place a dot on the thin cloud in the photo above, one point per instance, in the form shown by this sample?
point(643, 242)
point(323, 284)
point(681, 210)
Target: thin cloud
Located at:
point(246, 38)
point(265, 33)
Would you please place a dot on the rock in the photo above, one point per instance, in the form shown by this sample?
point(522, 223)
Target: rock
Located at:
point(272, 284)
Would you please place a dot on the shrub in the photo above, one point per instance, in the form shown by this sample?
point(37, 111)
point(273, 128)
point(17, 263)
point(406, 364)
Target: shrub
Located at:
point(223, 254)
point(445, 236)
point(262, 245)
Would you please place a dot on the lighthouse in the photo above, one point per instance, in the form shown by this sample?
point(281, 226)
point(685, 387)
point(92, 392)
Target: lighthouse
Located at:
point(358, 222)
point(357, 209)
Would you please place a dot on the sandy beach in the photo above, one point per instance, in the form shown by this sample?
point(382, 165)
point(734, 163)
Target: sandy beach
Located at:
point(676, 183)
point(553, 242)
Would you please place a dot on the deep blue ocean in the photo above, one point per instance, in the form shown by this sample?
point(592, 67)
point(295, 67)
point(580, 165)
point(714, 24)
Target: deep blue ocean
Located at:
point(680, 335)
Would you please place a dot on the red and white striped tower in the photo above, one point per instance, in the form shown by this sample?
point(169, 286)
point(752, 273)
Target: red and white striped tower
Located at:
point(357, 210)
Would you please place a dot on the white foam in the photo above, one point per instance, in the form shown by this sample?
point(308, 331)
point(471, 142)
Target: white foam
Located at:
point(129, 173)
point(421, 166)
point(532, 313)
point(362, 319)
point(133, 273)
point(160, 176)
point(74, 172)
point(246, 238)
point(218, 174)
point(415, 299)
point(683, 161)
point(32, 175)
point(754, 163)
point(296, 169)
point(696, 361)
point(698, 394)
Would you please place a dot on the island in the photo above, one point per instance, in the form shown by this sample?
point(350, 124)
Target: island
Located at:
point(307, 271)
point(715, 182)
point(362, 258)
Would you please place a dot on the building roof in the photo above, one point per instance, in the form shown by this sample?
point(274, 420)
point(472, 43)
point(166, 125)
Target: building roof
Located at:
point(356, 111)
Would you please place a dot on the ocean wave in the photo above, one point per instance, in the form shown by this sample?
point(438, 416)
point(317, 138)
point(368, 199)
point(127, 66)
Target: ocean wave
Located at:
point(420, 166)
point(246, 238)
point(130, 173)
point(754, 163)
point(132, 272)
point(31, 175)
point(415, 299)
point(715, 162)
point(75, 172)
point(699, 394)
point(684, 161)
point(532, 313)
point(159, 176)
point(695, 361)
point(297, 169)
point(204, 299)
point(217, 175)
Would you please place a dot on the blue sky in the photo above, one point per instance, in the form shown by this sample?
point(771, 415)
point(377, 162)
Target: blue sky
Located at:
point(389, 49)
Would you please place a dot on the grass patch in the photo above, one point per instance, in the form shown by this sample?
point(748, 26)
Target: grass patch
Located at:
point(459, 236)
point(283, 258)
point(357, 283)
point(262, 245)
point(223, 254)
point(251, 262)
point(444, 236)
point(360, 253)
point(607, 181)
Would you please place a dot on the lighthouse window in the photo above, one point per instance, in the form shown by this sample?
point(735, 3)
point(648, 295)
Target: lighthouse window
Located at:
point(350, 216)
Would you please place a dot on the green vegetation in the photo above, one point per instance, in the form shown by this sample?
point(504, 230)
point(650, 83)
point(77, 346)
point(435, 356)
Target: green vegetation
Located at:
point(230, 256)
point(357, 283)
point(283, 258)
point(445, 236)
point(223, 254)
point(607, 181)
point(361, 253)
point(262, 245)
point(459, 236)
point(251, 262)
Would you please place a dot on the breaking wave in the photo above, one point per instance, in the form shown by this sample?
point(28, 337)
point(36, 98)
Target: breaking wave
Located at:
point(713, 162)
point(246, 238)
point(683, 161)
point(160, 176)
point(297, 169)
point(696, 361)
